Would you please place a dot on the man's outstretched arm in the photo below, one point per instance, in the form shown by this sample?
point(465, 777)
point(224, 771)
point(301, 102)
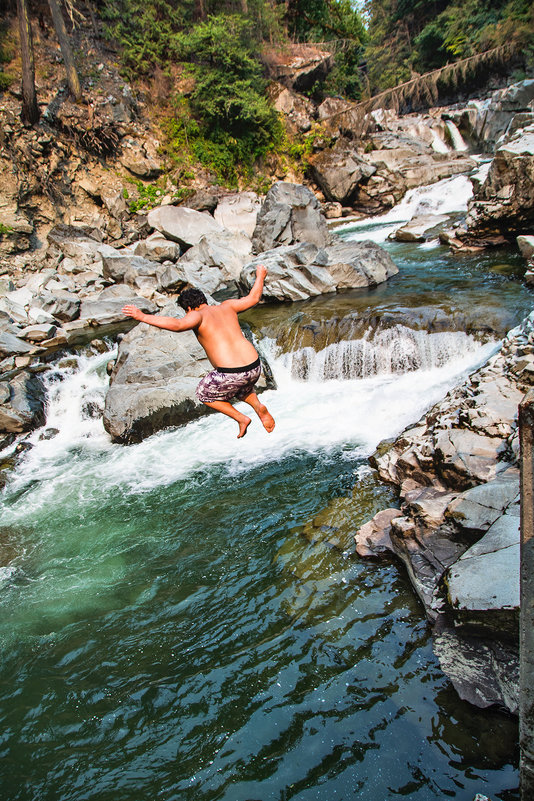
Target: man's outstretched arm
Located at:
point(254, 296)
point(190, 321)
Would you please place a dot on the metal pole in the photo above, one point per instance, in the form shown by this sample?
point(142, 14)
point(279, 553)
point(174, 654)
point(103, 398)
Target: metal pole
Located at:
point(526, 617)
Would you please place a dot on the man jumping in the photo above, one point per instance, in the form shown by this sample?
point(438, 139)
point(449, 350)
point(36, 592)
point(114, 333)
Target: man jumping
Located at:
point(218, 331)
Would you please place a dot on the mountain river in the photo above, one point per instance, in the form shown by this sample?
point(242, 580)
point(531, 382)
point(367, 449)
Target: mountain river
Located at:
point(167, 632)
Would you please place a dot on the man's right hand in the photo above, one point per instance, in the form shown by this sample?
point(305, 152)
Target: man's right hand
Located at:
point(261, 271)
point(133, 311)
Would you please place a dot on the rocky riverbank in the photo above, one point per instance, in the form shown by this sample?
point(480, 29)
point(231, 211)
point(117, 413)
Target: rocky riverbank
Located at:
point(456, 529)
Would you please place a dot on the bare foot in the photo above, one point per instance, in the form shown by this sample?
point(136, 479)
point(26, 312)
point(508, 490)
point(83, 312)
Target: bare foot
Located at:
point(243, 425)
point(266, 418)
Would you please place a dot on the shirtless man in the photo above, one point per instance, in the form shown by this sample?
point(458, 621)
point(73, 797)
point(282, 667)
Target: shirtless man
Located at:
point(236, 361)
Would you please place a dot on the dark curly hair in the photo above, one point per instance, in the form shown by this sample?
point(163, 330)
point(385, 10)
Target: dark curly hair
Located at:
point(191, 298)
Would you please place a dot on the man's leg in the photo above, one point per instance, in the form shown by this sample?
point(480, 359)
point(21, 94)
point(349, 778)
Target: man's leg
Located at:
point(262, 411)
point(226, 408)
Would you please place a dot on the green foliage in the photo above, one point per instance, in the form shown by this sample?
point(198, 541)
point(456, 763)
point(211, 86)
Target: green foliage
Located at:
point(408, 37)
point(5, 229)
point(226, 123)
point(327, 20)
point(149, 196)
point(5, 81)
point(147, 32)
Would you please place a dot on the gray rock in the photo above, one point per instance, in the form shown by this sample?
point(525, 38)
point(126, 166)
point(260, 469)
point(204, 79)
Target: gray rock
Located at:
point(290, 214)
point(23, 405)
point(38, 333)
point(420, 228)
point(504, 202)
point(238, 212)
point(182, 225)
point(183, 274)
point(227, 250)
point(137, 161)
point(373, 538)
point(526, 246)
point(11, 344)
point(465, 458)
point(348, 260)
point(483, 586)
point(303, 271)
point(122, 266)
point(202, 201)
point(298, 110)
point(478, 508)
point(485, 673)
point(105, 308)
point(340, 171)
point(157, 248)
point(63, 306)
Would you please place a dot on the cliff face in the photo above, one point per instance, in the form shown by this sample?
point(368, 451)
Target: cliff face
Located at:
point(76, 165)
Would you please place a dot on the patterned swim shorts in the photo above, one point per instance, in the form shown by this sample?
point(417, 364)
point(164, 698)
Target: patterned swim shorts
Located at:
point(225, 383)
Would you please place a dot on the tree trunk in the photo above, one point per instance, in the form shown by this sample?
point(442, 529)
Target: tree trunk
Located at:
point(244, 6)
point(30, 109)
point(66, 50)
point(199, 11)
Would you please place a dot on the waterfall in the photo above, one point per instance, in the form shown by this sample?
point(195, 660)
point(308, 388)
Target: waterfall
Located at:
point(456, 137)
point(390, 351)
point(375, 386)
point(437, 143)
point(444, 197)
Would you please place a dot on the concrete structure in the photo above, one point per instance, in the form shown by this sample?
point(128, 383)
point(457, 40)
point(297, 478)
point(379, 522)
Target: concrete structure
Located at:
point(526, 689)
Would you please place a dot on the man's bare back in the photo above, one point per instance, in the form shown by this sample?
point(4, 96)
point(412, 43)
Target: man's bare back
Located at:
point(219, 333)
point(236, 359)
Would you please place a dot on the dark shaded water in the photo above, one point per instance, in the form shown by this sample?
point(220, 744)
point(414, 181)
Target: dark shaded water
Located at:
point(167, 632)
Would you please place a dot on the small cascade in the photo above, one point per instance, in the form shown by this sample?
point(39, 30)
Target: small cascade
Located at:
point(389, 351)
point(456, 138)
point(437, 143)
point(75, 395)
point(444, 197)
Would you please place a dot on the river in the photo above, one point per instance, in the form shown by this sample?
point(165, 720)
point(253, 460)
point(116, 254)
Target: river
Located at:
point(168, 632)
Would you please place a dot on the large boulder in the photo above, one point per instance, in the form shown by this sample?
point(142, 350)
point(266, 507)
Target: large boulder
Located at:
point(290, 213)
point(187, 274)
point(22, 401)
point(105, 307)
point(340, 171)
point(153, 383)
point(224, 253)
point(182, 225)
point(238, 212)
point(483, 585)
point(303, 271)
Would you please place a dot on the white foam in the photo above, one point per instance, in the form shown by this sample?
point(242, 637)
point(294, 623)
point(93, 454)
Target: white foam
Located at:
point(312, 416)
point(444, 197)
